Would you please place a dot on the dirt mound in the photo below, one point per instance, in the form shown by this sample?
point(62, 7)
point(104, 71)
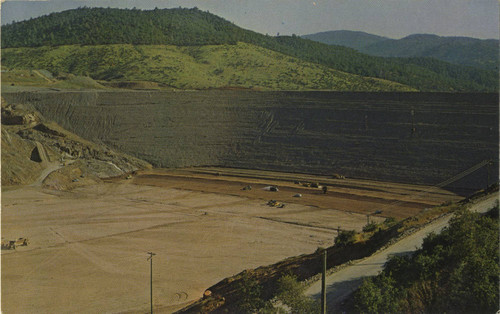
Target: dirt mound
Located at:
point(32, 147)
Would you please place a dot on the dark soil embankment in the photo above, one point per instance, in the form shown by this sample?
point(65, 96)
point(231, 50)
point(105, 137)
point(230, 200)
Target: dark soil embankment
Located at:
point(406, 137)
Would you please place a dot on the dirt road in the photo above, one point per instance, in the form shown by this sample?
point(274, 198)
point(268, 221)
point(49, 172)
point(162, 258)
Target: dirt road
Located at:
point(345, 281)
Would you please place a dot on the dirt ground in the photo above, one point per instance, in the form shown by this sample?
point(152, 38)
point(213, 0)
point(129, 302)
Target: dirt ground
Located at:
point(88, 247)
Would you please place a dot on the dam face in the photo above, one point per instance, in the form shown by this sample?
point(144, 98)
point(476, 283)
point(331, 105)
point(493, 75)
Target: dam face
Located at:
point(406, 137)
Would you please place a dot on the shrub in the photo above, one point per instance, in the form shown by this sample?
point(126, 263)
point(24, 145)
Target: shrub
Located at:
point(251, 300)
point(345, 238)
point(370, 227)
point(291, 293)
point(391, 221)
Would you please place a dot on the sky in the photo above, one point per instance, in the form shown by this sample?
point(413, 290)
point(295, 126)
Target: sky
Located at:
point(390, 18)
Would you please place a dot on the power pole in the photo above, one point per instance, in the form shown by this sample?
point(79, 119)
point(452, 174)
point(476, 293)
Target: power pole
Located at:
point(150, 258)
point(323, 284)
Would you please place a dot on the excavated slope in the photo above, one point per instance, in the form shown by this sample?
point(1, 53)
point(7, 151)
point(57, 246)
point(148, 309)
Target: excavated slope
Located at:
point(38, 151)
point(408, 137)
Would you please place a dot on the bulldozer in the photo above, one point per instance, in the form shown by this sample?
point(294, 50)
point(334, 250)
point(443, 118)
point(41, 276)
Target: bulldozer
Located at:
point(22, 242)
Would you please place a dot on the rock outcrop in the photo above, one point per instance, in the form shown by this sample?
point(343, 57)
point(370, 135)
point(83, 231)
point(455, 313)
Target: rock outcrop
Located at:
point(32, 146)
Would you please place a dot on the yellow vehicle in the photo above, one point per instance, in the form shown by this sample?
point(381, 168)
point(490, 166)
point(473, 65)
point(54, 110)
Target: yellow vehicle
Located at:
point(275, 203)
point(22, 242)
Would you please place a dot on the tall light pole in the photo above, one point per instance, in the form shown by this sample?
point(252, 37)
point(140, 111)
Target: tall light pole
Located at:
point(150, 258)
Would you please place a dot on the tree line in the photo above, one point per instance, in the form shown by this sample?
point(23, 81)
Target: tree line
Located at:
point(456, 271)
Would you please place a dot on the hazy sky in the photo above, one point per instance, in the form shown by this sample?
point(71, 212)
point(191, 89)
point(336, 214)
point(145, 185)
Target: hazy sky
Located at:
point(392, 18)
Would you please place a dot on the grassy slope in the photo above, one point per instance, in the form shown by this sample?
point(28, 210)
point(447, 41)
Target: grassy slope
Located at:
point(192, 27)
point(34, 78)
point(194, 67)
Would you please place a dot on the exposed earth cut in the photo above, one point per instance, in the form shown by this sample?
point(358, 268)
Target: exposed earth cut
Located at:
point(35, 149)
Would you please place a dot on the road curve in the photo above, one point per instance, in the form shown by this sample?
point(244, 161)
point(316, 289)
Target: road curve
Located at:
point(342, 283)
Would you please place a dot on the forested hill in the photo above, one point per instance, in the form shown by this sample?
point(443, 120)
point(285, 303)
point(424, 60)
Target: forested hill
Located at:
point(352, 39)
point(99, 26)
point(479, 53)
point(192, 27)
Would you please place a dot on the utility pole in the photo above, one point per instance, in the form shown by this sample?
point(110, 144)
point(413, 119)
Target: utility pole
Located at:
point(150, 258)
point(323, 284)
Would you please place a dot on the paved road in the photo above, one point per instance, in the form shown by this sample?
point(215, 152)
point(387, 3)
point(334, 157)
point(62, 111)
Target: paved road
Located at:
point(342, 283)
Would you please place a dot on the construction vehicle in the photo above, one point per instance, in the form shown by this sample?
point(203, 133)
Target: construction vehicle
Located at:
point(275, 203)
point(8, 245)
point(22, 242)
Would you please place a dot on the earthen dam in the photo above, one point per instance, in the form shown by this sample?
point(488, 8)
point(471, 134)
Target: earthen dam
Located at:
point(423, 138)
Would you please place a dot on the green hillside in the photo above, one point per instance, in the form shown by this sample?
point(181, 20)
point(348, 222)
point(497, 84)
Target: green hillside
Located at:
point(200, 67)
point(460, 50)
point(192, 27)
point(479, 53)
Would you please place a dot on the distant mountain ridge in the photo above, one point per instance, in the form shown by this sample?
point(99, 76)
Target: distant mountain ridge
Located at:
point(193, 27)
point(352, 39)
point(479, 53)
